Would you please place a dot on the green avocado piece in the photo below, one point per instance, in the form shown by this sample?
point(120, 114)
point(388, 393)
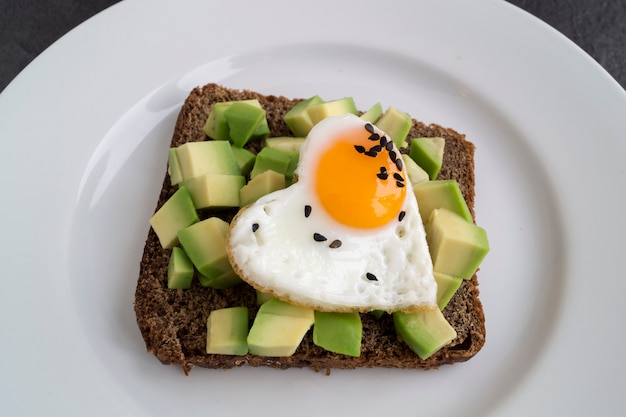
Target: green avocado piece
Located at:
point(435, 194)
point(262, 184)
point(215, 191)
point(428, 153)
point(285, 143)
point(447, 286)
point(338, 332)
point(175, 214)
point(221, 280)
point(416, 174)
point(457, 246)
point(174, 169)
point(227, 331)
point(272, 159)
point(298, 119)
point(217, 126)
point(205, 244)
point(207, 157)
point(278, 328)
point(425, 332)
point(340, 107)
point(396, 124)
point(245, 159)
point(179, 270)
point(243, 119)
point(373, 113)
point(262, 297)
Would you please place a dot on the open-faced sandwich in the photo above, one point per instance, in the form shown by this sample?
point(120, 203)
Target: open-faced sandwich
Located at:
point(306, 233)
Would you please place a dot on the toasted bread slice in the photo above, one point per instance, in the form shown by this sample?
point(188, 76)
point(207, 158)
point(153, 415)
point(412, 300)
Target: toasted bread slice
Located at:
point(173, 322)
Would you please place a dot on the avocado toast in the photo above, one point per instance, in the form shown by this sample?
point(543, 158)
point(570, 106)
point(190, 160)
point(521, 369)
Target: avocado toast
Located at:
point(173, 322)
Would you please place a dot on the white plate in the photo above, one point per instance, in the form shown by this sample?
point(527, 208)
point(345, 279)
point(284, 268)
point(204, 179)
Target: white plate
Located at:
point(84, 133)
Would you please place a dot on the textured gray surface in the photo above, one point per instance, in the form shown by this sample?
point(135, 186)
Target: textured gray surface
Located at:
point(27, 27)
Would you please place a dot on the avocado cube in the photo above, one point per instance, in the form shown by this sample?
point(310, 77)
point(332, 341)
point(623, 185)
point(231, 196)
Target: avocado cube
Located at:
point(216, 126)
point(416, 174)
point(264, 183)
point(272, 159)
point(205, 244)
point(245, 159)
point(173, 167)
point(175, 214)
point(425, 331)
point(227, 331)
point(447, 286)
point(428, 153)
point(278, 328)
point(243, 118)
point(207, 157)
point(262, 297)
point(338, 332)
point(215, 190)
point(179, 270)
point(396, 124)
point(221, 281)
point(457, 246)
point(373, 113)
point(340, 107)
point(285, 143)
point(298, 119)
point(435, 194)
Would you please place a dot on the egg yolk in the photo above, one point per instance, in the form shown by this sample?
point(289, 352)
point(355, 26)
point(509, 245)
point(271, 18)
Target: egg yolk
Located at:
point(359, 180)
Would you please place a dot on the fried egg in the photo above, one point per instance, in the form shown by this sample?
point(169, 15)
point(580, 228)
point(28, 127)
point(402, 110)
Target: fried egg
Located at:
point(347, 235)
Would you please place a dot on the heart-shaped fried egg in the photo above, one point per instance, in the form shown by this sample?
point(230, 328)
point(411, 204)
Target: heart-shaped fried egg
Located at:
point(347, 236)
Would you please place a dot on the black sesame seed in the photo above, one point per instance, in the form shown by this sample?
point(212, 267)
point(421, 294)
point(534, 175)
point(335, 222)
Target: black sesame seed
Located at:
point(335, 244)
point(371, 153)
point(382, 175)
point(371, 276)
point(376, 148)
point(399, 184)
point(369, 127)
point(374, 136)
point(389, 145)
point(255, 227)
point(383, 141)
point(359, 148)
point(393, 156)
point(401, 215)
point(398, 177)
point(307, 210)
point(319, 238)
point(399, 164)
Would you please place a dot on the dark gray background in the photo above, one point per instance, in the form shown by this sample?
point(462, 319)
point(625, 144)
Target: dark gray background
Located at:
point(27, 27)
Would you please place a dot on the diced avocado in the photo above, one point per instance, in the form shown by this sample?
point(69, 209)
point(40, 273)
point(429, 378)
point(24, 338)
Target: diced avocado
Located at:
point(435, 194)
point(220, 281)
point(179, 269)
point(207, 157)
point(173, 167)
point(285, 143)
point(447, 285)
point(373, 113)
point(215, 191)
point(205, 244)
point(425, 332)
point(338, 332)
point(243, 119)
point(457, 247)
point(428, 153)
point(245, 159)
point(340, 107)
point(217, 126)
point(416, 174)
point(175, 214)
point(396, 124)
point(262, 297)
point(227, 331)
point(262, 184)
point(279, 328)
point(297, 118)
point(271, 159)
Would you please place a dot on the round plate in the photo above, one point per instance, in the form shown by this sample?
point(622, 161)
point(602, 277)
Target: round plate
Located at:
point(89, 128)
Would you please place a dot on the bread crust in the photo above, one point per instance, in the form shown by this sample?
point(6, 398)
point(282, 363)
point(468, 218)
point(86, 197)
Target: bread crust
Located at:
point(173, 321)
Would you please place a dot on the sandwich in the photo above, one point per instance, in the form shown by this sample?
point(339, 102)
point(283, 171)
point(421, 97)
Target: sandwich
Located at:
point(181, 321)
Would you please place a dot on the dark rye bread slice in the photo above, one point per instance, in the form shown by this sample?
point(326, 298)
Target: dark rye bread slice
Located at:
point(173, 321)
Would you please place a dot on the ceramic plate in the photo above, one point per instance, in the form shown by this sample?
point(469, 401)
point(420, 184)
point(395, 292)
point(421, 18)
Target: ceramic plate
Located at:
point(84, 136)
